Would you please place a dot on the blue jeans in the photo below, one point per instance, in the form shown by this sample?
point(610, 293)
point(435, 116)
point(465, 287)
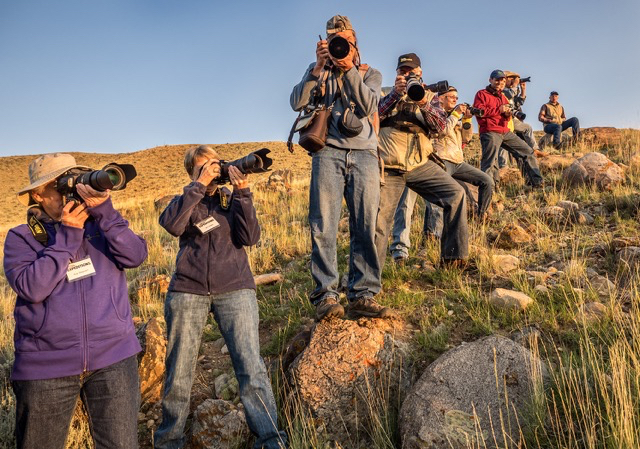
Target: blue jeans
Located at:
point(402, 224)
point(354, 175)
point(433, 184)
point(556, 130)
point(463, 173)
point(110, 395)
point(236, 313)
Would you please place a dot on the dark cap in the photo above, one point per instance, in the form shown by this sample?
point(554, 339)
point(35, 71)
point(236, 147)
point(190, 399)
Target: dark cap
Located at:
point(496, 74)
point(337, 24)
point(553, 92)
point(408, 60)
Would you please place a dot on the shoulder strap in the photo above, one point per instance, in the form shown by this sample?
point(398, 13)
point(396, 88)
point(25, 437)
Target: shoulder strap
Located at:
point(375, 120)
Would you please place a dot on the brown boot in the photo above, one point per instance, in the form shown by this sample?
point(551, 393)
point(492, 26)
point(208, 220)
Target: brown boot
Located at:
point(368, 307)
point(329, 307)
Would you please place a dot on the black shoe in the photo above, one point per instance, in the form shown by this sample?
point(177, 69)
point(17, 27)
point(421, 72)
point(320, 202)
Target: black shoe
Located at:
point(368, 307)
point(329, 307)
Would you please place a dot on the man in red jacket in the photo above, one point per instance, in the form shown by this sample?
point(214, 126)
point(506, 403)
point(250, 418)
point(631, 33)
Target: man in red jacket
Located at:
point(494, 132)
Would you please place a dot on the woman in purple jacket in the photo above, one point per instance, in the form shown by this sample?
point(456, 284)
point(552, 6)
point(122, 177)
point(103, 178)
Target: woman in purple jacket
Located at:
point(213, 275)
point(74, 334)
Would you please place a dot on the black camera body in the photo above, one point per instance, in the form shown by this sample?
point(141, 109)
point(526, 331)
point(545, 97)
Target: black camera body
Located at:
point(111, 177)
point(416, 90)
point(478, 112)
point(517, 113)
point(255, 162)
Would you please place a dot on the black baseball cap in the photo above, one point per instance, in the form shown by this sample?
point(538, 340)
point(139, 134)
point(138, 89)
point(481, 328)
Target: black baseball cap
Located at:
point(497, 74)
point(408, 60)
point(553, 92)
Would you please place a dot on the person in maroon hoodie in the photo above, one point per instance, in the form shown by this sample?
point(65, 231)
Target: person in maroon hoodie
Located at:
point(494, 133)
point(74, 335)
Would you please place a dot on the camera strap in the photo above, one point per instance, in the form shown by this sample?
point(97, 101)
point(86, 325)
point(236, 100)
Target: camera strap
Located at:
point(35, 225)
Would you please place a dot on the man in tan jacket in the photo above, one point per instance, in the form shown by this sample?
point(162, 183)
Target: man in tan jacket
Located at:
point(554, 120)
point(404, 144)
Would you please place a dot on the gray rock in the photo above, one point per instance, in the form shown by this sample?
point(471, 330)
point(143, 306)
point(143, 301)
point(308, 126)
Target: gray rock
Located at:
point(603, 286)
point(504, 263)
point(594, 168)
point(510, 299)
point(629, 256)
point(218, 424)
point(457, 402)
point(569, 206)
point(220, 383)
point(592, 312)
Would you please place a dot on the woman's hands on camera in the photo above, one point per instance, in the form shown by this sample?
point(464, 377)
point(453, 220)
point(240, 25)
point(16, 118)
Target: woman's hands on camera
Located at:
point(238, 179)
point(91, 197)
point(74, 214)
point(209, 171)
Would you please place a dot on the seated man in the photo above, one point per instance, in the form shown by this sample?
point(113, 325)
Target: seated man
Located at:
point(448, 145)
point(405, 147)
point(494, 132)
point(554, 120)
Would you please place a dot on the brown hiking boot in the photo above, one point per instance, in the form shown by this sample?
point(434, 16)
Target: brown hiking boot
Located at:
point(329, 307)
point(368, 307)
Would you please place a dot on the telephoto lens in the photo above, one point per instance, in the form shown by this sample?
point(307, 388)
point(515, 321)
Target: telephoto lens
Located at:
point(339, 47)
point(415, 89)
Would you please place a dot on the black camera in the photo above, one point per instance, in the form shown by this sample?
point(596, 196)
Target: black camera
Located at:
point(111, 177)
point(416, 89)
point(517, 113)
point(256, 162)
point(339, 47)
point(474, 111)
point(525, 80)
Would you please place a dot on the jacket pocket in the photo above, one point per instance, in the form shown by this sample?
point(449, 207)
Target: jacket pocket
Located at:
point(122, 313)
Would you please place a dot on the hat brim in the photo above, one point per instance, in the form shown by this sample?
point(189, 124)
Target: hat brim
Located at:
point(412, 65)
point(23, 195)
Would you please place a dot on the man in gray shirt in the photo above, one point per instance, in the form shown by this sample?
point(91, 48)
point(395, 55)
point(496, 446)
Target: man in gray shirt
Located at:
point(346, 167)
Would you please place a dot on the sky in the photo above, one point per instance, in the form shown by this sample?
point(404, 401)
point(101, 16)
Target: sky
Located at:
point(125, 75)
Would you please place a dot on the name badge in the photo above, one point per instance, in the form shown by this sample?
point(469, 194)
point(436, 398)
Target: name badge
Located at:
point(80, 270)
point(207, 225)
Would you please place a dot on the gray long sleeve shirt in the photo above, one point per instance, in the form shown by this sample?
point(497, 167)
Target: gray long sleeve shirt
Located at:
point(364, 92)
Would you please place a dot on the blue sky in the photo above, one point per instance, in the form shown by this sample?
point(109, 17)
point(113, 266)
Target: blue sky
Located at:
point(117, 76)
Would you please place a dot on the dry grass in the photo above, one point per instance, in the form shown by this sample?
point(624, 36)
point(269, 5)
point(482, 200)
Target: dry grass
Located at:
point(592, 397)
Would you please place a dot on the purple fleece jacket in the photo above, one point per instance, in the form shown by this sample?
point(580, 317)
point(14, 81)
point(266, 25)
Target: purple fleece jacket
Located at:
point(66, 328)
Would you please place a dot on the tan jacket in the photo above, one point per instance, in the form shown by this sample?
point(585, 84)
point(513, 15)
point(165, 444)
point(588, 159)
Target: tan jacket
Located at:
point(402, 150)
point(448, 144)
point(553, 112)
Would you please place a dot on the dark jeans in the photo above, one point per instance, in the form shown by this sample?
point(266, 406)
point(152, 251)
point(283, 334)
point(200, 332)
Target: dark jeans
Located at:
point(433, 184)
point(110, 395)
point(464, 173)
point(491, 143)
point(353, 175)
point(556, 130)
point(236, 313)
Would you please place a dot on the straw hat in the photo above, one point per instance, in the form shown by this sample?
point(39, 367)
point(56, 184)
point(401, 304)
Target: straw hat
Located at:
point(44, 169)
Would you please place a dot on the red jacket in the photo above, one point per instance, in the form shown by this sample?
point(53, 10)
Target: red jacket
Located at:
point(492, 121)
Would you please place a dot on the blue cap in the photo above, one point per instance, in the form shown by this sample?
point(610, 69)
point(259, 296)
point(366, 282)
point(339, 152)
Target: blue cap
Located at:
point(497, 74)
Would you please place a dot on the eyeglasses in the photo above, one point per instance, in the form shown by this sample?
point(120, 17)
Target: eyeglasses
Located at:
point(451, 97)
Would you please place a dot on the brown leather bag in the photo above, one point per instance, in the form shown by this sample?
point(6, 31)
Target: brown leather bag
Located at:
point(313, 136)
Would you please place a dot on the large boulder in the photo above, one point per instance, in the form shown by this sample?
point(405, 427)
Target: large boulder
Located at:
point(218, 424)
point(151, 366)
point(555, 161)
point(470, 395)
point(596, 169)
point(341, 364)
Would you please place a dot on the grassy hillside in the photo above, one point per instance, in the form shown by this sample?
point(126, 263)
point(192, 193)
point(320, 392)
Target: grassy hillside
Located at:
point(594, 396)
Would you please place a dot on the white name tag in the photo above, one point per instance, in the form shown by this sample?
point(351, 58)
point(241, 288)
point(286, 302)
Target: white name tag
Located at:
point(208, 224)
point(80, 270)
